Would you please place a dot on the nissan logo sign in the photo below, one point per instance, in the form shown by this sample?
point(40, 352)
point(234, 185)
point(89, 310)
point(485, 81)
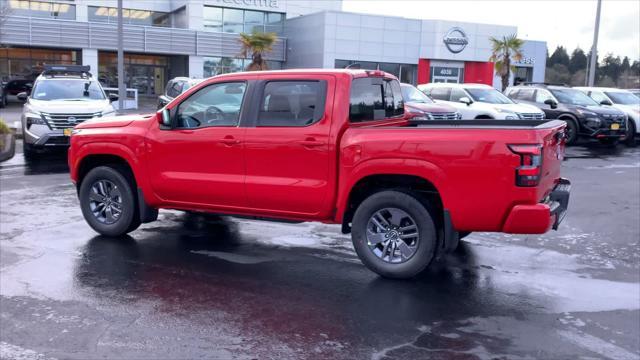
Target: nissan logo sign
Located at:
point(455, 40)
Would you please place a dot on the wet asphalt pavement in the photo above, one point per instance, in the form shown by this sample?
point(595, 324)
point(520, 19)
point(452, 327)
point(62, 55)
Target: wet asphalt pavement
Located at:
point(192, 286)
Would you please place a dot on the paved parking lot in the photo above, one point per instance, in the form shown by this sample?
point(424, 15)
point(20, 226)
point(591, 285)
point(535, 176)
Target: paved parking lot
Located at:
point(214, 287)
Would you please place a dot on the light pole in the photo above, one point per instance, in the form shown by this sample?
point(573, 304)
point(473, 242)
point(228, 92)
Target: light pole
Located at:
point(122, 91)
point(594, 48)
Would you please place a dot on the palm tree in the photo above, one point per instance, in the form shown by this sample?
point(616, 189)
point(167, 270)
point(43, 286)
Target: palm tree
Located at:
point(256, 44)
point(504, 51)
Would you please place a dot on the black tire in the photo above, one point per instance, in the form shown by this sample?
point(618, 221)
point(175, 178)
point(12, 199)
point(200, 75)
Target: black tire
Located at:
point(29, 153)
point(129, 218)
point(3, 101)
point(571, 131)
point(631, 133)
point(426, 240)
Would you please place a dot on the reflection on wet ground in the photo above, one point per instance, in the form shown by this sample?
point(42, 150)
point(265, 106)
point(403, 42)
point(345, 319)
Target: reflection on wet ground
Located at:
point(194, 285)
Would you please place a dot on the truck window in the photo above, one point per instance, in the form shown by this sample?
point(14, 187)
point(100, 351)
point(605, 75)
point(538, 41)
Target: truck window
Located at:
point(375, 99)
point(292, 103)
point(214, 105)
point(440, 93)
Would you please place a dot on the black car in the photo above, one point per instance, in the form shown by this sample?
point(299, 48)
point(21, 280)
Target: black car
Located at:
point(584, 116)
point(15, 87)
point(175, 87)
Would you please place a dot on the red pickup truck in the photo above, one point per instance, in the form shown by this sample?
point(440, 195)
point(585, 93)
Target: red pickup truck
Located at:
point(323, 145)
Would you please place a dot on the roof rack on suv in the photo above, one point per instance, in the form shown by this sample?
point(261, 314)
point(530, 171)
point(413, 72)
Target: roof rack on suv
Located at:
point(67, 70)
point(543, 83)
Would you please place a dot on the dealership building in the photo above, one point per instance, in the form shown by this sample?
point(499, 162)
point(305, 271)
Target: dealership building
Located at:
point(199, 38)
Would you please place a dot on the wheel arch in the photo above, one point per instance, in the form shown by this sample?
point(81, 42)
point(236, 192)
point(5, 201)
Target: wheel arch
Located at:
point(367, 185)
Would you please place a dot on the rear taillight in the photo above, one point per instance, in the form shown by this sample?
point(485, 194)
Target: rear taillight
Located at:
point(530, 170)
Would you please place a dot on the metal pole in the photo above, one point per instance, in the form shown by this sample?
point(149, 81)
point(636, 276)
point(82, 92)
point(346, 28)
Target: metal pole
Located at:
point(594, 48)
point(122, 90)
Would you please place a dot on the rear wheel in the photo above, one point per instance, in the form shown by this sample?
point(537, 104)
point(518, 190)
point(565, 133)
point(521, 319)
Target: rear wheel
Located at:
point(3, 101)
point(393, 234)
point(631, 133)
point(571, 131)
point(108, 202)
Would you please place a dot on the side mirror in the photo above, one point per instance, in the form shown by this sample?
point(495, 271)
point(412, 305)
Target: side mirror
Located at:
point(465, 100)
point(113, 97)
point(22, 96)
point(551, 103)
point(164, 117)
point(606, 102)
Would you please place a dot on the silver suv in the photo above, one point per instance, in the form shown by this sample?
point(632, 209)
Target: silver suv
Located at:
point(62, 97)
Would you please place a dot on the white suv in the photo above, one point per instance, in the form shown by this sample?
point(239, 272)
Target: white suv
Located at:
point(622, 100)
point(479, 101)
point(62, 97)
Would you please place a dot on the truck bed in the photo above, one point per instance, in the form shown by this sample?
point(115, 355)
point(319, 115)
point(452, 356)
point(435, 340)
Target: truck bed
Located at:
point(487, 124)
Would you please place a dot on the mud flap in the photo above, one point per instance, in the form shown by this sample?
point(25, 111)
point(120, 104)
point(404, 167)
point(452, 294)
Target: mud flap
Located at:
point(147, 213)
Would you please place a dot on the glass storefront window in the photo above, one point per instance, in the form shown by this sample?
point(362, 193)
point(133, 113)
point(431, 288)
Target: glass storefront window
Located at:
point(237, 20)
point(21, 63)
point(212, 17)
point(130, 16)
point(406, 73)
point(223, 65)
point(41, 9)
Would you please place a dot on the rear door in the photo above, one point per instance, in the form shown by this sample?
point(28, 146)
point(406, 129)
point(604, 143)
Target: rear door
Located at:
point(287, 147)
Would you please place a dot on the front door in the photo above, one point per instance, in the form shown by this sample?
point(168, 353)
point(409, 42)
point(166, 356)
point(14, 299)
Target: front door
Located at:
point(287, 151)
point(201, 159)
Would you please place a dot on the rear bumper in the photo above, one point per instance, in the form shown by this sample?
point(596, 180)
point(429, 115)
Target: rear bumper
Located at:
point(540, 218)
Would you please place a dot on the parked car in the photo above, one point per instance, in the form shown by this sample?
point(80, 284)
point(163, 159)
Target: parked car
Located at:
point(479, 101)
point(584, 116)
point(175, 87)
point(622, 100)
point(62, 97)
point(419, 107)
point(3, 99)
point(323, 145)
point(14, 87)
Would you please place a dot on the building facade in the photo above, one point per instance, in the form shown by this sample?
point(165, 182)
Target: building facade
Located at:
point(199, 38)
point(417, 51)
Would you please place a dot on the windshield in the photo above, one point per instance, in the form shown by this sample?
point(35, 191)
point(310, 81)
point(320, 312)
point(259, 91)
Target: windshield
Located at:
point(623, 98)
point(67, 89)
point(411, 94)
point(573, 97)
point(491, 96)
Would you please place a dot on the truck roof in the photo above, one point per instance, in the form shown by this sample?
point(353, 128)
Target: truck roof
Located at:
point(352, 72)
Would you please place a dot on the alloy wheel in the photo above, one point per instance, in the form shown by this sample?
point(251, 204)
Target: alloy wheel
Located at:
point(392, 235)
point(105, 201)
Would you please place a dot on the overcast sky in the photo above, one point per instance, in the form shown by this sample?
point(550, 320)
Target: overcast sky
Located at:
point(558, 22)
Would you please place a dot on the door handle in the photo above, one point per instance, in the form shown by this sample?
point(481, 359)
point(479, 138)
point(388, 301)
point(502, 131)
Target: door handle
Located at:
point(310, 142)
point(230, 140)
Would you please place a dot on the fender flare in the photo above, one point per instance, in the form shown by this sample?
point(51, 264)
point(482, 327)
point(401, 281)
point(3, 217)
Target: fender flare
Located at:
point(388, 166)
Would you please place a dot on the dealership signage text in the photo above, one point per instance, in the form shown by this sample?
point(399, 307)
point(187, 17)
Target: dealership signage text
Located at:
point(255, 3)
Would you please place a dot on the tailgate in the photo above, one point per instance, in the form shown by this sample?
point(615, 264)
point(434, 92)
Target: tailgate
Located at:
point(553, 147)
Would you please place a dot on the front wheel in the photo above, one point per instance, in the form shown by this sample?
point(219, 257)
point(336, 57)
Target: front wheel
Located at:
point(108, 202)
point(393, 234)
point(631, 133)
point(572, 131)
